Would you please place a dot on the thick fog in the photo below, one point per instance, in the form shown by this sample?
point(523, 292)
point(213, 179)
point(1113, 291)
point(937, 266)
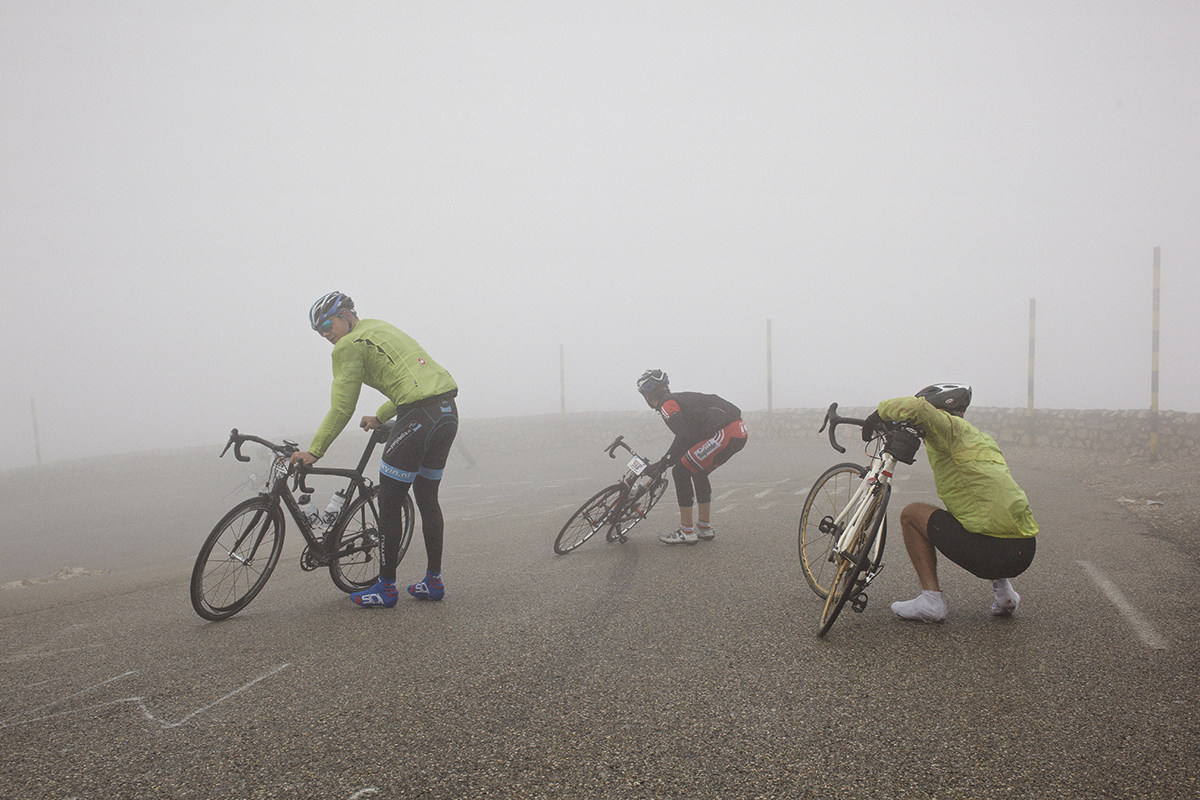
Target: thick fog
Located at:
point(630, 184)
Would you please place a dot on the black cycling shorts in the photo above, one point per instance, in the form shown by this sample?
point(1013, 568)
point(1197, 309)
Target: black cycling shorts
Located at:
point(983, 556)
point(420, 441)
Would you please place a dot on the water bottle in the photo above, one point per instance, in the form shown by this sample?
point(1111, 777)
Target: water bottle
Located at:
point(335, 506)
point(309, 510)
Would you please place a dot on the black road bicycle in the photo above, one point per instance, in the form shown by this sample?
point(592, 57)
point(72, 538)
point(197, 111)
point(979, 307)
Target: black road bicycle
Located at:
point(241, 552)
point(618, 507)
point(843, 525)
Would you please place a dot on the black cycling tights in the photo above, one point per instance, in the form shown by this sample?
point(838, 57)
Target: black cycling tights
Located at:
point(391, 509)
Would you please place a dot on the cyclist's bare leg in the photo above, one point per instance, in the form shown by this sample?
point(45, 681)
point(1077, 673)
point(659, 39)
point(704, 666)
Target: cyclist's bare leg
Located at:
point(914, 522)
point(685, 516)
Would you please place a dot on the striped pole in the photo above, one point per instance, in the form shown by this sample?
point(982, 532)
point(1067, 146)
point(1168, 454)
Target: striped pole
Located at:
point(770, 408)
point(1029, 391)
point(562, 376)
point(37, 442)
point(1154, 361)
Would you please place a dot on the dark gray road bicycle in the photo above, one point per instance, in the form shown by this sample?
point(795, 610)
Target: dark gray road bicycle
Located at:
point(239, 555)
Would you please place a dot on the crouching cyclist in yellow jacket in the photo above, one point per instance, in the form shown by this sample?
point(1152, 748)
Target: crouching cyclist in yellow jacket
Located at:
point(986, 527)
point(420, 394)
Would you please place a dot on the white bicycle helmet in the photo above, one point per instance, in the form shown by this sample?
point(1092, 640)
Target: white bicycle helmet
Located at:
point(951, 397)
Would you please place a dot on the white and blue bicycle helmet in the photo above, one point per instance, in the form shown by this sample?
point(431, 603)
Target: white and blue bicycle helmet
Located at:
point(652, 380)
point(328, 307)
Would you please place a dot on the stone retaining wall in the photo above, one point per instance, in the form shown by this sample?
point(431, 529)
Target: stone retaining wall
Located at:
point(1111, 431)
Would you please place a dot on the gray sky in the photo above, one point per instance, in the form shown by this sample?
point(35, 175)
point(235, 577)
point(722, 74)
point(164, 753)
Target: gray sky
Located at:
point(642, 183)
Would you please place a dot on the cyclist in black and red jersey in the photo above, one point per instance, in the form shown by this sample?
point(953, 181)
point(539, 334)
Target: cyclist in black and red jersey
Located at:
point(708, 431)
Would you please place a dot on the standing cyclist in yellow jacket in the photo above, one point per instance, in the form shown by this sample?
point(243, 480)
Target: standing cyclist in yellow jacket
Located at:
point(986, 527)
point(420, 394)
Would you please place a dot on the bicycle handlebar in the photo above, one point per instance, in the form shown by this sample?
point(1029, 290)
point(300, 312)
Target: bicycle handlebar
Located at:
point(618, 442)
point(298, 471)
point(833, 420)
point(238, 439)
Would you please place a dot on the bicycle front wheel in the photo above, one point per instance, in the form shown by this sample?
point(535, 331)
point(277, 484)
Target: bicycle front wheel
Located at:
point(854, 560)
point(827, 498)
point(589, 518)
point(237, 558)
point(355, 544)
point(636, 511)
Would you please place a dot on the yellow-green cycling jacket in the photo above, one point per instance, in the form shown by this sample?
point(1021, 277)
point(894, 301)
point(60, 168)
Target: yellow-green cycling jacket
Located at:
point(971, 475)
point(384, 358)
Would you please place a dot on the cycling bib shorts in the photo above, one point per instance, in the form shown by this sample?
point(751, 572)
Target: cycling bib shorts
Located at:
point(716, 450)
point(420, 441)
point(984, 556)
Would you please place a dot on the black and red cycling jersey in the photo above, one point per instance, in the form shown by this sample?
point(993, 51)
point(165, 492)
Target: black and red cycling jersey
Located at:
point(694, 417)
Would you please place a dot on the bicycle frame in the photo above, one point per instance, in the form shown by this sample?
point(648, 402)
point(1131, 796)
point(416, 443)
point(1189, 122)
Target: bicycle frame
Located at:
point(632, 491)
point(281, 494)
point(851, 518)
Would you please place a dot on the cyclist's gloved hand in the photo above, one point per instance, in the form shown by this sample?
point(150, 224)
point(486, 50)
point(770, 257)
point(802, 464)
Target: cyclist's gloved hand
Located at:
point(657, 468)
point(872, 424)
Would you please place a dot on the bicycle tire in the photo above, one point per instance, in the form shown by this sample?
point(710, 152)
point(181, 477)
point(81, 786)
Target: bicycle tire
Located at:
point(358, 529)
point(587, 519)
point(635, 512)
point(826, 499)
point(855, 560)
point(231, 568)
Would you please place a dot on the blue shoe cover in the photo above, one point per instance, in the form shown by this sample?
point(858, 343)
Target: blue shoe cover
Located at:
point(382, 595)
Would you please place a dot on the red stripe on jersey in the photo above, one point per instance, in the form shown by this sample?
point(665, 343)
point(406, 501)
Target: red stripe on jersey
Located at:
point(669, 409)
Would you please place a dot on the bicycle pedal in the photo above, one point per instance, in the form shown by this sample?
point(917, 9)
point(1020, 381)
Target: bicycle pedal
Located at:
point(859, 602)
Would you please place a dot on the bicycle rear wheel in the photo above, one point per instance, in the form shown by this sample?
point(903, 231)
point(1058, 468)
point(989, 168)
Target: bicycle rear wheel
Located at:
point(636, 511)
point(237, 558)
point(589, 518)
point(854, 560)
point(817, 535)
point(355, 543)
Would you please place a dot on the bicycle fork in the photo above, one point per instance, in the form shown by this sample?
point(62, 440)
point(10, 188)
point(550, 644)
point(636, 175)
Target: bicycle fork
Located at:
point(235, 553)
point(869, 495)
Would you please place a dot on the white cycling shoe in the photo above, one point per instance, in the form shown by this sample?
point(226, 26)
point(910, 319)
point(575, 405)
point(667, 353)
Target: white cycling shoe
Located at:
point(678, 537)
point(1006, 599)
point(926, 607)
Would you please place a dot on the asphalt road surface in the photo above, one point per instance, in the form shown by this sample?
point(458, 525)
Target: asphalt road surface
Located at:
point(634, 670)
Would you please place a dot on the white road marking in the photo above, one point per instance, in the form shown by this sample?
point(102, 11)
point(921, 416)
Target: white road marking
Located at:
point(1141, 626)
point(138, 700)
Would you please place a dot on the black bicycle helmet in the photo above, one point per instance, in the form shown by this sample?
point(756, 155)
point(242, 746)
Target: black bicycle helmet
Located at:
point(328, 306)
point(951, 397)
point(652, 380)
